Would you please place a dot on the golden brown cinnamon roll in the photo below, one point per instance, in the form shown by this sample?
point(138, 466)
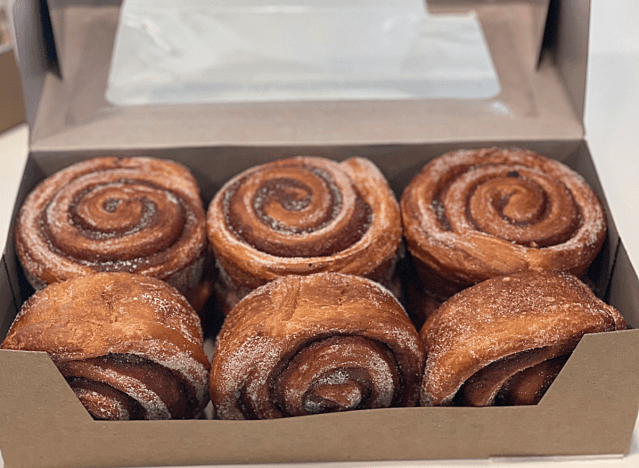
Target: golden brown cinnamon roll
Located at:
point(504, 340)
point(314, 344)
point(130, 346)
point(300, 216)
point(137, 215)
point(471, 215)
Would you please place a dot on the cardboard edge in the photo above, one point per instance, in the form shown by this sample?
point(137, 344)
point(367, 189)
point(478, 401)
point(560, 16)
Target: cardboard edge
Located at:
point(34, 55)
point(17, 281)
point(12, 110)
point(44, 407)
point(8, 308)
point(624, 275)
point(572, 50)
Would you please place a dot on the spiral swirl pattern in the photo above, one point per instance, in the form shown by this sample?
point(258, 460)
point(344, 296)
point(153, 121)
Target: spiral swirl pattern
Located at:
point(314, 344)
point(506, 384)
point(474, 214)
point(296, 210)
point(138, 215)
point(130, 346)
point(129, 387)
point(304, 215)
point(503, 341)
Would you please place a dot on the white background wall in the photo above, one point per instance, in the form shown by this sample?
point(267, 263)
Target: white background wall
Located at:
point(612, 111)
point(614, 26)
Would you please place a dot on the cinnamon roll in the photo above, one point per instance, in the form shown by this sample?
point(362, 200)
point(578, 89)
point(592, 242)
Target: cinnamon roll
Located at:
point(300, 216)
point(503, 341)
point(137, 215)
point(314, 344)
point(471, 215)
point(130, 346)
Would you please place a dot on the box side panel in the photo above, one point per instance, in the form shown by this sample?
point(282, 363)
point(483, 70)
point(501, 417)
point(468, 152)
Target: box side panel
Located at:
point(34, 55)
point(572, 49)
point(623, 294)
point(12, 109)
point(19, 285)
point(8, 305)
point(590, 411)
point(535, 11)
point(213, 166)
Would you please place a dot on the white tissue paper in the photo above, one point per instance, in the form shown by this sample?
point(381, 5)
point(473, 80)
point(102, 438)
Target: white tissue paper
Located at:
point(208, 51)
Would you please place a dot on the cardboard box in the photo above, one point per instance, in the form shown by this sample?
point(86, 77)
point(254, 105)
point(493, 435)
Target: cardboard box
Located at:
point(590, 409)
point(12, 110)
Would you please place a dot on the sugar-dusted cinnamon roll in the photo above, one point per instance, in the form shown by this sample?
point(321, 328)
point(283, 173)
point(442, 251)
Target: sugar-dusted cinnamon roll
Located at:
point(138, 215)
point(130, 346)
point(300, 216)
point(504, 340)
point(314, 344)
point(471, 215)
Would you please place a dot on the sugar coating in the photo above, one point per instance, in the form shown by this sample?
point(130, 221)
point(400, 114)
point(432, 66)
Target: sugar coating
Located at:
point(329, 326)
point(372, 254)
point(446, 236)
point(153, 405)
point(505, 316)
point(105, 407)
point(108, 214)
point(378, 369)
point(117, 314)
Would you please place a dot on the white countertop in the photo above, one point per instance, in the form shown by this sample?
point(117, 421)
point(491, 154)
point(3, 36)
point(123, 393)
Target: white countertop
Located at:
point(612, 128)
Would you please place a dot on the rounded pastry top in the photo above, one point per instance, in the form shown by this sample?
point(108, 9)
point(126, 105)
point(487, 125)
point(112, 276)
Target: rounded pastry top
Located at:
point(304, 215)
point(470, 215)
point(109, 313)
point(138, 215)
point(130, 346)
point(506, 317)
point(317, 343)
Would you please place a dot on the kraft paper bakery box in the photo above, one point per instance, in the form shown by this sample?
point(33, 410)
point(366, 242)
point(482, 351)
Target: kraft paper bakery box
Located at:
point(591, 407)
point(12, 110)
point(11, 102)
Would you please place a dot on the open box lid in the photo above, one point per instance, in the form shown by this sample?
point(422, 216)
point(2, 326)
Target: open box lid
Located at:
point(542, 94)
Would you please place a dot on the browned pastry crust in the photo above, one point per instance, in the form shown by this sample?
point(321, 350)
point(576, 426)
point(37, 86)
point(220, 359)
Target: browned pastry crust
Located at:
point(470, 215)
point(313, 344)
point(130, 346)
point(137, 215)
point(528, 386)
point(300, 216)
point(482, 338)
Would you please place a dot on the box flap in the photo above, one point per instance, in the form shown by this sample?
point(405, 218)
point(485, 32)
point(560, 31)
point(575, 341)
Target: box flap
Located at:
point(12, 110)
point(35, 52)
point(620, 295)
point(595, 377)
point(571, 48)
point(528, 17)
point(74, 114)
point(8, 306)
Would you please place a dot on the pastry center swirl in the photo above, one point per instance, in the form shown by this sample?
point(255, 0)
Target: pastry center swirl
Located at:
point(296, 210)
point(338, 374)
point(520, 205)
point(285, 205)
point(100, 220)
